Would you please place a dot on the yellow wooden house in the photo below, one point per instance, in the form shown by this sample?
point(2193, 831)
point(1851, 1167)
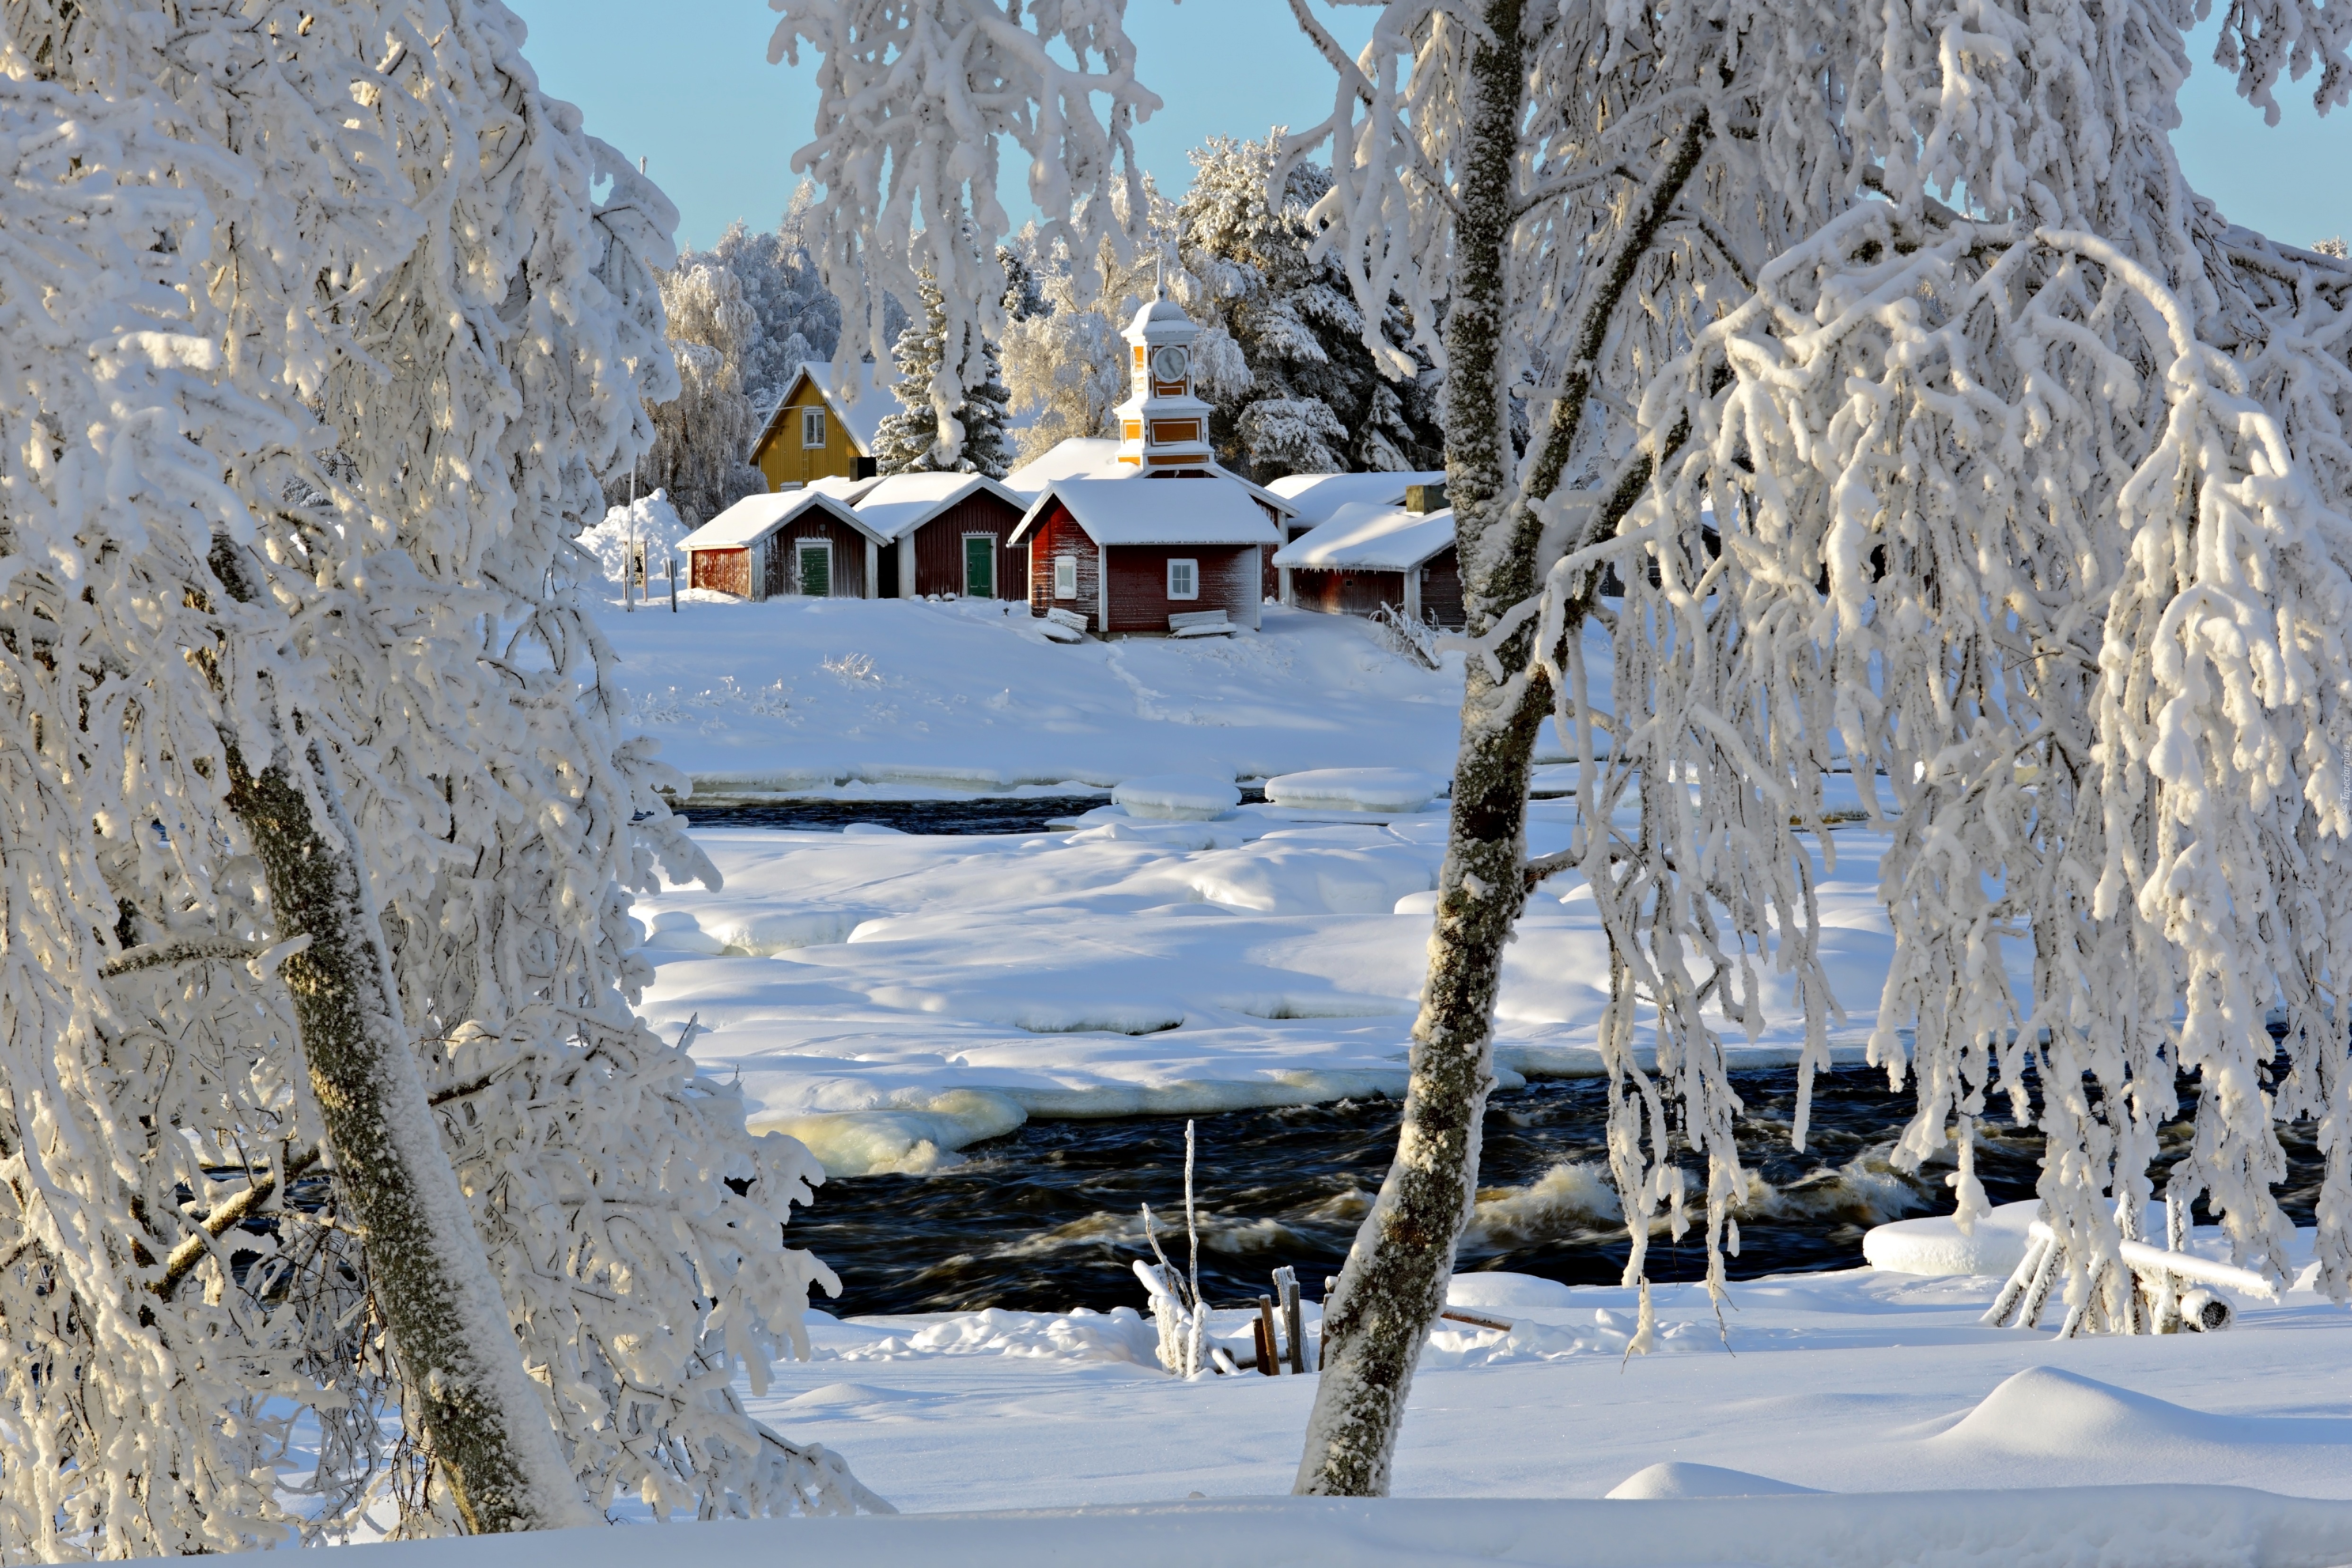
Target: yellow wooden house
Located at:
point(814, 434)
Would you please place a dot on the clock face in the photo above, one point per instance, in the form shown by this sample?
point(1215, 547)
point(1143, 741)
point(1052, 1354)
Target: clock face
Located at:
point(1168, 363)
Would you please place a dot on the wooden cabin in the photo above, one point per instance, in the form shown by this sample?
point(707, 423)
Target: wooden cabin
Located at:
point(804, 542)
point(1128, 555)
point(1366, 555)
point(946, 535)
point(814, 434)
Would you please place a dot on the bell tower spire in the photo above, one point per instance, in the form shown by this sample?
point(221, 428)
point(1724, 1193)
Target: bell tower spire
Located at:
point(1163, 426)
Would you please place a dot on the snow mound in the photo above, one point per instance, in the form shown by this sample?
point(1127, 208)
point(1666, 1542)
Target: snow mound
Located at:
point(2046, 1413)
point(652, 523)
point(1178, 797)
point(1355, 789)
point(1500, 1287)
point(679, 931)
point(1674, 1479)
point(1934, 1244)
point(1118, 1335)
point(908, 1139)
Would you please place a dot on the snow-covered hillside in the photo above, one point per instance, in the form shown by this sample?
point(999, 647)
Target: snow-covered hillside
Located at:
point(798, 694)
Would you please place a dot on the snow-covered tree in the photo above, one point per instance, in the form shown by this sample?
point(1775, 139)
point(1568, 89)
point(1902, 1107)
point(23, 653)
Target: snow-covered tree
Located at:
point(1065, 367)
point(701, 453)
point(317, 823)
point(794, 317)
point(1313, 400)
point(910, 195)
point(2036, 511)
point(919, 437)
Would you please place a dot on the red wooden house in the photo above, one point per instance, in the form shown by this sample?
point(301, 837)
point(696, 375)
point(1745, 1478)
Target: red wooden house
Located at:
point(1129, 553)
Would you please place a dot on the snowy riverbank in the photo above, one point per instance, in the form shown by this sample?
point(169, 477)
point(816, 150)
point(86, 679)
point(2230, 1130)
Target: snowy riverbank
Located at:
point(796, 695)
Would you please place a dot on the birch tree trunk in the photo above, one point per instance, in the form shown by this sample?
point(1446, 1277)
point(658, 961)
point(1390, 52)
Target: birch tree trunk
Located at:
point(480, 1417)
point(1393, 1284)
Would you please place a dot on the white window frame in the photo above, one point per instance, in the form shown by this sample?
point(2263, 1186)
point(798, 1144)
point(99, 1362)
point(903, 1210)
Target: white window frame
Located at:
point(1192, 570)
point(800, 547)
point(1066, 576)
point(812, 426)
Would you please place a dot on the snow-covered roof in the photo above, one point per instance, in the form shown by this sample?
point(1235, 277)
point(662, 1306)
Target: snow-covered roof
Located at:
point(1208, 509)
point(755, 517)
point(1079, 457)
point(896, 505)
point(1097, 457)
point(1315, 497)
point(1367, 536)
point(863, 422)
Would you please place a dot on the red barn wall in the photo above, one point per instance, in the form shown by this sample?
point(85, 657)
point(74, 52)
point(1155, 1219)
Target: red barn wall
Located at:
point(1230, 576)
point(1440, 590)
point(939, 547)
point(848, 554)
point(721, 571)
point(1057, 534)
point(1338, 592)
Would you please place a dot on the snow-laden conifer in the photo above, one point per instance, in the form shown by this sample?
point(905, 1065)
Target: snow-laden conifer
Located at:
point(920, 438)
point(1313, 400)
point(317, 821)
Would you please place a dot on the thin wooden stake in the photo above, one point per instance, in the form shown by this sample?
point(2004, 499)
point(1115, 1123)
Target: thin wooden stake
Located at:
point(1269, 1351)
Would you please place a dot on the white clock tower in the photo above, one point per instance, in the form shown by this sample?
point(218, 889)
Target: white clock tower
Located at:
point(1163, 428)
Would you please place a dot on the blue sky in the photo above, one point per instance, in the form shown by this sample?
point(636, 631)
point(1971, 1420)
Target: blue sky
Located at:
point(688, 86)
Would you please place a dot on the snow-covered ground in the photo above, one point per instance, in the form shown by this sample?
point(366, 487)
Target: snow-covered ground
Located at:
point(1858, 1381)
point(797, 695)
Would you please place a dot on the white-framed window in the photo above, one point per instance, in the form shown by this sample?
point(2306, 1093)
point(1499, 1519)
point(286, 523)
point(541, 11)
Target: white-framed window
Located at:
point(1183, 579)
point(1066, 576)
point(812, 427)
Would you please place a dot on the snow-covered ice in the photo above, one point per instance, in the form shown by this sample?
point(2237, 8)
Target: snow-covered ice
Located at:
point(890, 998)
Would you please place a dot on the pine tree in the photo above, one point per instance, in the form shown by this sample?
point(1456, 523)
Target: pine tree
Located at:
point(1314, 399)
point(919, 437)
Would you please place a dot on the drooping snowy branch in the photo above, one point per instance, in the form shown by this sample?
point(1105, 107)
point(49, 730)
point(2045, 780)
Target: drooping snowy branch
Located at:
point(913, 97)
point(322, 301)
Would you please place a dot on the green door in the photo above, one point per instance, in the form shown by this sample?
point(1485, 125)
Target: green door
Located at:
point(979, 566)
point(816, 570)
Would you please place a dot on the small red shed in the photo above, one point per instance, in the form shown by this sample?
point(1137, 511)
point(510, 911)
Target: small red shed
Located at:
point(946, 534)
point(790, 541)
point(1366, 555)
point(1129, 553)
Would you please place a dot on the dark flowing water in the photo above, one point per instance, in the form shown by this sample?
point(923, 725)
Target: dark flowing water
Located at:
point(964, 814)
point(1046, 1217)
